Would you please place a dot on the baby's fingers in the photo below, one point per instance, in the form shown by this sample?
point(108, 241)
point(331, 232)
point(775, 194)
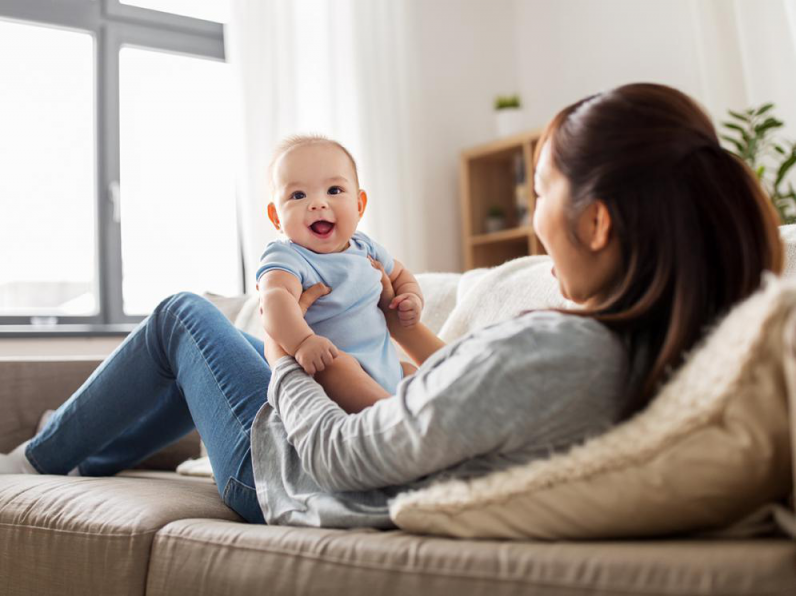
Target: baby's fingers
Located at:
point(398, 300)
point(406, 315)
point(326, 359)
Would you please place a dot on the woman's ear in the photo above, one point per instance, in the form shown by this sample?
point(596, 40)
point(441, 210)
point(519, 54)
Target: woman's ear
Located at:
point(600, 225)
point(272, 215)
point(362, 202)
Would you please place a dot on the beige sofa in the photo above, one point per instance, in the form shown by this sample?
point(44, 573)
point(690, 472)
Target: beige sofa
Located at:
point(152, 531)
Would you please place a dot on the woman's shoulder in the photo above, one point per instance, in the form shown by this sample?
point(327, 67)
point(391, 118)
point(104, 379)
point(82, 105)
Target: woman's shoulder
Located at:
point(554, 326)
point(551, 338)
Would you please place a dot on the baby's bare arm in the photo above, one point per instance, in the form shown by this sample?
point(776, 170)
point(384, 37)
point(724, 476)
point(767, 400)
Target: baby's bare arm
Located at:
point(348, 385)
point(404, 282)
point(282, 316)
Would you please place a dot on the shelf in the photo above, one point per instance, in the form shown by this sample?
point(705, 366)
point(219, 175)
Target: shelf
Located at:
point(501, 147)
point(498, 175)
point(502, 235)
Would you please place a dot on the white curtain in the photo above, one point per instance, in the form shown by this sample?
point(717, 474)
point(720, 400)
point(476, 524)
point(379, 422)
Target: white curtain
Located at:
point(336, 67)
point(747, 55)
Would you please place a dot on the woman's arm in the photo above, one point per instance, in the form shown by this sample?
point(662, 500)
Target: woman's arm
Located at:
point(523, 388)
point(430, 425)
point(418, 341)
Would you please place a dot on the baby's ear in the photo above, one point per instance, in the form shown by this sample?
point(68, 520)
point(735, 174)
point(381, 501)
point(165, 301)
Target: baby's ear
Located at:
point(362, 202)
point(272, 215)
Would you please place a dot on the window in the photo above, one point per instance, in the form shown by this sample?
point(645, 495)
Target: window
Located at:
point(118, 185)
point(47, 150)
point(211, 10)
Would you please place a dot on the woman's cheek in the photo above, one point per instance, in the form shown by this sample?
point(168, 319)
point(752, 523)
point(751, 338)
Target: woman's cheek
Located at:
point(537, 223)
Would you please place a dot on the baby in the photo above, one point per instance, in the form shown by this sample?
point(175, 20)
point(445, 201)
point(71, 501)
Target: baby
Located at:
point(317, 204)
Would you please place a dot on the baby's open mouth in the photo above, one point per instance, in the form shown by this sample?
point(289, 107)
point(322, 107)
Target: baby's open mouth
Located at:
point(322, 228)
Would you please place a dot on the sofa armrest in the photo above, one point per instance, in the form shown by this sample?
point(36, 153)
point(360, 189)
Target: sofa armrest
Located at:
point(29, 386)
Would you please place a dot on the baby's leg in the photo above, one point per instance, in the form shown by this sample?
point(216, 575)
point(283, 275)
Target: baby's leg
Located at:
point(348, 385)
point(408, 368)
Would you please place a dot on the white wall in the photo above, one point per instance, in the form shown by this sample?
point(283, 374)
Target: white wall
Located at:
point(568, 50)
point(464, 55)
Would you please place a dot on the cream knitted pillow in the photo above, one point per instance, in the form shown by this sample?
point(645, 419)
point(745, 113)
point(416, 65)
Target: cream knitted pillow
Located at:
point(711, 447)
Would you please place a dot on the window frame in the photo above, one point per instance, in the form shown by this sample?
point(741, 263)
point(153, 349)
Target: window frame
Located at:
point(113, 26)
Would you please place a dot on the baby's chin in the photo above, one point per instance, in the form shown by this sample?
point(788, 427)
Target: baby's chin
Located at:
point(321, 248)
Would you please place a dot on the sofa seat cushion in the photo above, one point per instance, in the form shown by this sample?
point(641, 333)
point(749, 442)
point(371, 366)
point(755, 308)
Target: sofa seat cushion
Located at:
point(204, 557)
point(81, 535)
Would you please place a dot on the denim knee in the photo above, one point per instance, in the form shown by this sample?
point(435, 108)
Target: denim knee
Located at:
point(160, 329)
point(180, 301)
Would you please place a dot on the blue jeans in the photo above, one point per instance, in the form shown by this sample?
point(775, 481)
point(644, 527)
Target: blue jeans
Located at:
point(184, 367)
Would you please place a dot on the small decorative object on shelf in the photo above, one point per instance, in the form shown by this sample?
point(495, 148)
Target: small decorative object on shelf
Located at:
point(495, 219)
point(495, 182)
point(509, 115)
point(771, 159)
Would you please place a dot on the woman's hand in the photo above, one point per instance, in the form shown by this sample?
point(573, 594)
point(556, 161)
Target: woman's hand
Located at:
point(387, 290)
point(273, 351)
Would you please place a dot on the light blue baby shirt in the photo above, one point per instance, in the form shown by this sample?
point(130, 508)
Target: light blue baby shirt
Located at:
point(349, 315)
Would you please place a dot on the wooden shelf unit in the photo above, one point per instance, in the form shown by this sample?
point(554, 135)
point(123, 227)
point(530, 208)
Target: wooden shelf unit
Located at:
point(488, 178)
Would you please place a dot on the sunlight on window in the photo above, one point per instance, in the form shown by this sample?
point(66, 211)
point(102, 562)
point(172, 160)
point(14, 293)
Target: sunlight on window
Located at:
point(178, 209)
point(209, 10)
point(47, 189)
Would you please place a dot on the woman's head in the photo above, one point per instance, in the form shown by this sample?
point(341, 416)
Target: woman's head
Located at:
point(651, 224)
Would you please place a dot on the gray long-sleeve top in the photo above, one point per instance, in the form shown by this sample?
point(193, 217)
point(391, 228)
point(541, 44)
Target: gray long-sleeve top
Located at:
point(503, 395)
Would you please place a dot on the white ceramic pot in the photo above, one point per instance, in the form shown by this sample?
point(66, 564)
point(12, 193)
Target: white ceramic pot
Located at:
point(509, 121)
point(494, 224)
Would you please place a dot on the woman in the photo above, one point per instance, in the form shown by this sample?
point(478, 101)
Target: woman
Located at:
point(652, 227)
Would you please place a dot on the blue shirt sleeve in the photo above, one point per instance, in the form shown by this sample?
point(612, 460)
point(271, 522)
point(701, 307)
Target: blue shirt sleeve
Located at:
point(376, 251)
point(281, 256)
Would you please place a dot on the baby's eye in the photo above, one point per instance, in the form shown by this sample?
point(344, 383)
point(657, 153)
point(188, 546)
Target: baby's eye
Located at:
point(298, 195)
point(335, 190)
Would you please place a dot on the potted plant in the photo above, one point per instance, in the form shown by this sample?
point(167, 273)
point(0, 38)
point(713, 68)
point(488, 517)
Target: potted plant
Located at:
point(495, 219)
point(750, 135)
point(509, 115)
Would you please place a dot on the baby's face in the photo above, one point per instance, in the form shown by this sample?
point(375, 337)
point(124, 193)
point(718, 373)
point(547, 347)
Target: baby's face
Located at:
point(317, 202)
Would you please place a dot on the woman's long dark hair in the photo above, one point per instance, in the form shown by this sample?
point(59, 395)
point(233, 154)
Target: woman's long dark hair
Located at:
point(695, 228)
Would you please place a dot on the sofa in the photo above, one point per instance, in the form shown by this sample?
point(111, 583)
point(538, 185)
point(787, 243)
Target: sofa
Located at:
point(151, 530)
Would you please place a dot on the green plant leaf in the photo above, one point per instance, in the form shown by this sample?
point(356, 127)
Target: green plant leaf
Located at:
point(760, 171)
point(748, 140)
point(739, 147)
point(734, 126)
point(738, 115)
point(768, 124)
point(784, 168)
point(764, 108)
point(779, 149)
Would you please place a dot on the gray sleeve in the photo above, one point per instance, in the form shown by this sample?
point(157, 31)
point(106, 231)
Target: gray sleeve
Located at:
point(490, 391)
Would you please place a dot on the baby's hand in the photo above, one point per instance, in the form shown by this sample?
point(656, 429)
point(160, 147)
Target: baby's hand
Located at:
point(409, 308)
point(315, 353)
